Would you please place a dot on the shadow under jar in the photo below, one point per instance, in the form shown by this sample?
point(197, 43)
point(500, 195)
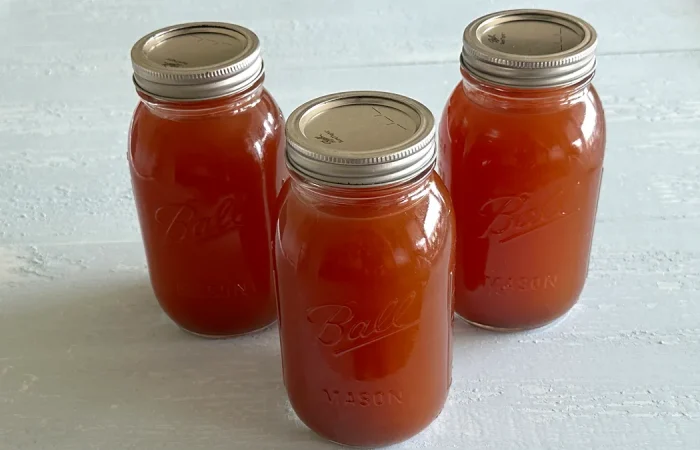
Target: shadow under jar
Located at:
point(522, 140)
point(364, 252)
point(206, 159)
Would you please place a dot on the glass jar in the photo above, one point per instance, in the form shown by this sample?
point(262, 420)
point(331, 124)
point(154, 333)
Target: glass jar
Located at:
point(364, 255)
point(207, 160)
point(522, 140)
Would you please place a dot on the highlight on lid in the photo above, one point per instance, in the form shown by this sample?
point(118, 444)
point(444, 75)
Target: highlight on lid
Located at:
point(197, 61)
point(529, 48)
point(360, 138)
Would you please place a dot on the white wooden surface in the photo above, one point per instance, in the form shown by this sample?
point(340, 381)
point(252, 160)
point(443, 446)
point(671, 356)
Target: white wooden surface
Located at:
point(88, 361)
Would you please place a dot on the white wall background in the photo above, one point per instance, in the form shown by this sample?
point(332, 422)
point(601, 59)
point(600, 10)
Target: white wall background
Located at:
point(88, 361)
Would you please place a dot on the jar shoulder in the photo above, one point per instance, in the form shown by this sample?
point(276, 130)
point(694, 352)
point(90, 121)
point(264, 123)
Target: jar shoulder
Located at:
point(393, 234)
point(220, 127)
point(263, 109)
point(469, 123)
point(248, 133)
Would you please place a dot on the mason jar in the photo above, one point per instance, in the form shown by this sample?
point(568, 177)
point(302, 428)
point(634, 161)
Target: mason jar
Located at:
point(364, 251)
point(522, 140)
point(206, 154)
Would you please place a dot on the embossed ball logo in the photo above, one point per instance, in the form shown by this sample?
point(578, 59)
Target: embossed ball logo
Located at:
point(518, 215)
point(344, 329)
point(183, 222)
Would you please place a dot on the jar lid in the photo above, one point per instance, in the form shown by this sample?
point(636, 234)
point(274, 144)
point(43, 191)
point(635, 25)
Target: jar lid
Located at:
point(529, 48)
point(360, 138)
point(197, 61)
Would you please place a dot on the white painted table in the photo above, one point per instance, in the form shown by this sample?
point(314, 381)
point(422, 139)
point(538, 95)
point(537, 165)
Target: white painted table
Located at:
point(88, 360)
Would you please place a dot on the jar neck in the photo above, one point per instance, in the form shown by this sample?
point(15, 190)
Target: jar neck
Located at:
point(509, 97)
point(367, 197)
point(231, 104)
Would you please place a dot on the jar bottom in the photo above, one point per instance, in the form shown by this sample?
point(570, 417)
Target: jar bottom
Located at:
point(544, 326)
point(374, 445)
point(229, 336)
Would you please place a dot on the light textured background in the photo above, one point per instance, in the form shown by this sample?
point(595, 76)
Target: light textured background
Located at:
point(88, 361)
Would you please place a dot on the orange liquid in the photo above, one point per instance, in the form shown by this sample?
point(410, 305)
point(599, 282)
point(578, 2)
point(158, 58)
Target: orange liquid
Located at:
point(365, 303)
point(524, 170)
point(205, 177)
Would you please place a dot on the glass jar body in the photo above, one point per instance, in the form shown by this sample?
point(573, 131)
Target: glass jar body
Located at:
point(365, 306)
point(205, 177)
point(524, 168)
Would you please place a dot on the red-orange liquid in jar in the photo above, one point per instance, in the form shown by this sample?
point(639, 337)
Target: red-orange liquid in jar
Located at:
point(524, 167)
point(205, 175)
point(365, 298)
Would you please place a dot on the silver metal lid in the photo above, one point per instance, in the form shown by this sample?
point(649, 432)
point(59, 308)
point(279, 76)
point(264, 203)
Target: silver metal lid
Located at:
point(360, 138)
point(529, 48)
point(197, 61)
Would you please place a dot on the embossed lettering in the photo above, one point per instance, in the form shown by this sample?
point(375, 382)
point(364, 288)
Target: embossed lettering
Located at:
point(379, 398)
point(550, 281)
point(362, 398)
point(332, 331)
point(328, 138)
point(395, 397)
point(332, 396)
point(350, 399)
point(182, 222)
point(510, 284)
point(515, 216)
point(359, 330)
point(344, 332)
